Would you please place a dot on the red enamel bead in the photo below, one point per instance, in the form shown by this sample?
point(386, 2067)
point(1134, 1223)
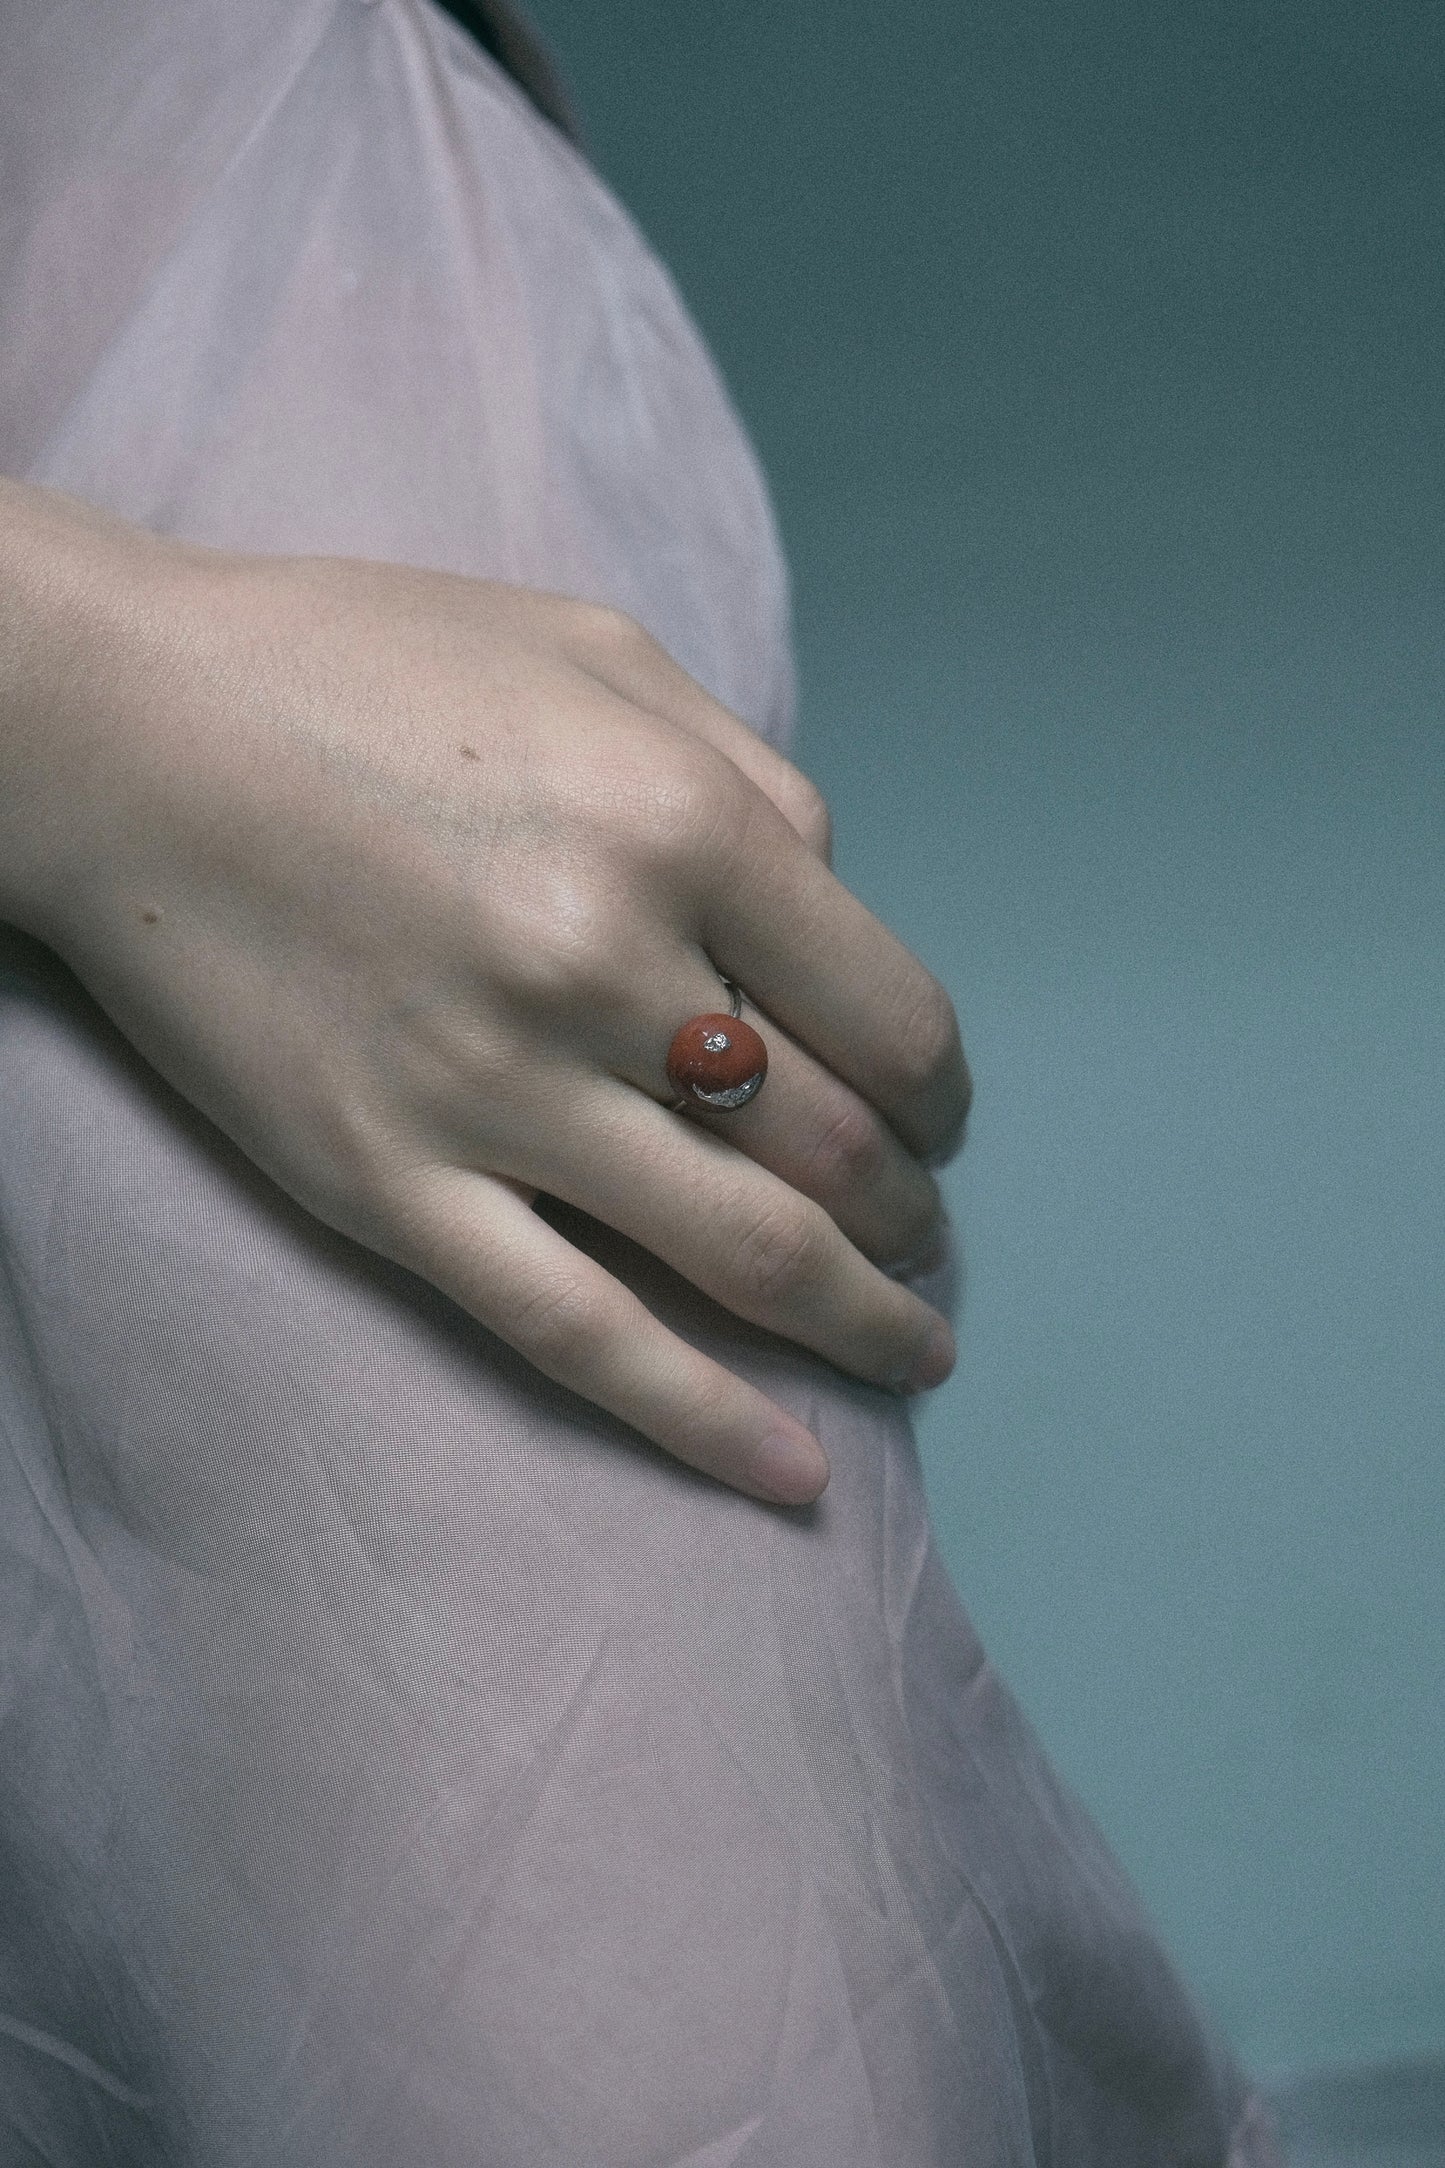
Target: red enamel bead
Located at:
point(717, 1060)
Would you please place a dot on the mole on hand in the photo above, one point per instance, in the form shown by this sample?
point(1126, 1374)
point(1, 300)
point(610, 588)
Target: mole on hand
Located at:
point(469, 752)
point(151, 918)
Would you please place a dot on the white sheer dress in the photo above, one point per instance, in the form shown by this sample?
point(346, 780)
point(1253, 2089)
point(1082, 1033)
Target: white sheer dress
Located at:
point(401, 1766)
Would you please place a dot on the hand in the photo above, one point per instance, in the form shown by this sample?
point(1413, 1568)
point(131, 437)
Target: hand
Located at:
point(406, 880)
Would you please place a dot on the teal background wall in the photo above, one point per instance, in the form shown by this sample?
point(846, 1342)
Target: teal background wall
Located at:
point(1094, 353)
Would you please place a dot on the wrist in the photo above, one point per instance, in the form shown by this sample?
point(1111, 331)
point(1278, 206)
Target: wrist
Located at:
point(72, 580)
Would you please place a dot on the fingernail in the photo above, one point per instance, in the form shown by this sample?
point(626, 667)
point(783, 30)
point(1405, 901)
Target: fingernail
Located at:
point(788, 1470)
point(934, 1364)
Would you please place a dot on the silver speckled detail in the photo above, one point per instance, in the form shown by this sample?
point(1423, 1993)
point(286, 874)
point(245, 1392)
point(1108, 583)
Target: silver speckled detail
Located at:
point(717, 1042)
point(737, 1095)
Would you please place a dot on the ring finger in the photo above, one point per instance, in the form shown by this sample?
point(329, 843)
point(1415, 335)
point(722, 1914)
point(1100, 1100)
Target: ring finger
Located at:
point(754, 1243)
point(815, 1132)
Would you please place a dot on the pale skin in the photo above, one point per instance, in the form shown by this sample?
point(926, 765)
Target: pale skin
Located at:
point(407, 880)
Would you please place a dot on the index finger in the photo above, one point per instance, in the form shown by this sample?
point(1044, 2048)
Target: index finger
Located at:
point(802, 947)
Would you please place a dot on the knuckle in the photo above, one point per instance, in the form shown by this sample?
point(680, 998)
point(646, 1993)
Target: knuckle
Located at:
point(691, 812)
point(408, 1216)
point(927, 1042)
point(850, 1152)
point(696, 1426)
point(919, 1240)
point(558, 945)
point(924, 1220)
point(782, 1251)
point(557, 1324)
point(965, 1096)
point(601, 631)
point(375, 1176)
point(950, 1138)
point(345, 1163)
point(552, 976)
point(814, 820)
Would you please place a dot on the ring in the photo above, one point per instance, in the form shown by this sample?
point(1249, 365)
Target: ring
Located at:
point(717, 1061)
